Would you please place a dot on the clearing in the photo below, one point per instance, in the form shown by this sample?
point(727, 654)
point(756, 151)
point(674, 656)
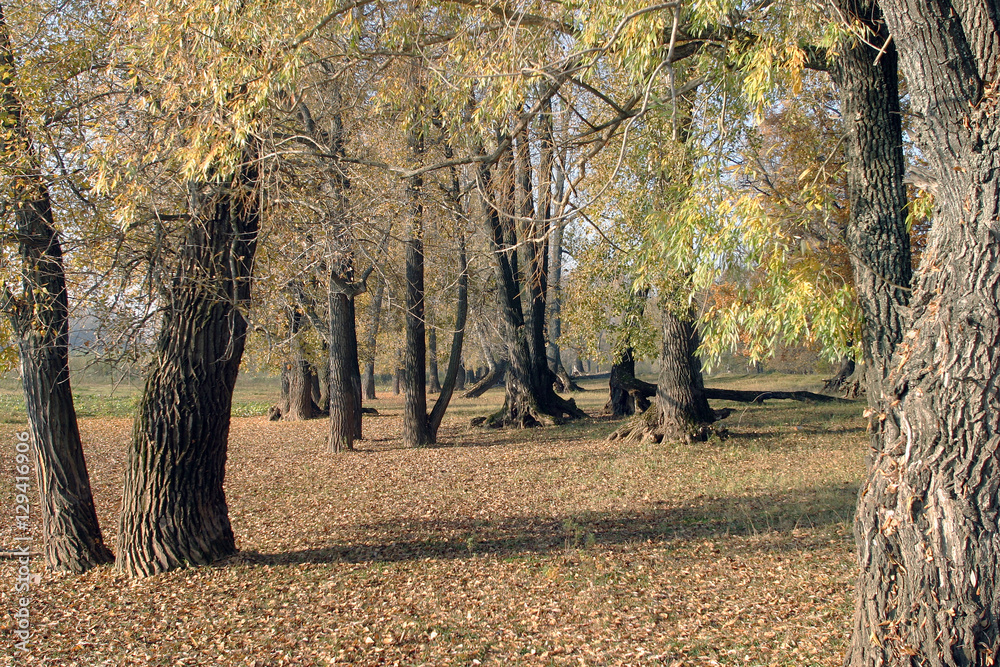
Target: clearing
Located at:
point(540, 547)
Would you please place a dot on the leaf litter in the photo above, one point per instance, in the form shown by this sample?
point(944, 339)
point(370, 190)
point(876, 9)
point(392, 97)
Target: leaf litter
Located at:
point(541, 547)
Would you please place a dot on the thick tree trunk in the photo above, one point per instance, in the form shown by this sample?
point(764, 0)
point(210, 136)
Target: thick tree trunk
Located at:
point(299, 405)
point(844, 372)
point(530, 399)
point(680, 396)
point(368, 381)
point(415, 432)
point(876, 235)
point(72, 540)
point(681, 410)
point(371, 342)
point(927, 519)
point(628, 394)
point(174, 510)
point(345, 408)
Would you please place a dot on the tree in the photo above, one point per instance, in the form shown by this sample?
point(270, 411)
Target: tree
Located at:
point(297, 376)
point(39, 316)
point(530, 399)
point(927, 516)
point(371, 339)
point(415, 433)
point(876, 236)
point(174, 510)
point(202, 116)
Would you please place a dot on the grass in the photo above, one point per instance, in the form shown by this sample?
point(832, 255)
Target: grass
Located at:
point(540, 547)
point(96, 396)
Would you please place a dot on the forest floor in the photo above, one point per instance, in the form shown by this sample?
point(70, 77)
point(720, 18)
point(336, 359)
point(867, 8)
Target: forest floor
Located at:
point(540, 547)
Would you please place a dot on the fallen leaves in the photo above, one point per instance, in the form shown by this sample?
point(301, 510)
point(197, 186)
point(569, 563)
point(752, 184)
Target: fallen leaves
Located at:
point(548, 547)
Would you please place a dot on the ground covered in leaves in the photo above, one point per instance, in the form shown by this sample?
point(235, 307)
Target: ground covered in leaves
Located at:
point(540, 547)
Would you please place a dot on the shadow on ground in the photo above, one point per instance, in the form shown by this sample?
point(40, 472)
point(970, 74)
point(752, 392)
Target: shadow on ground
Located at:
point(519, 536)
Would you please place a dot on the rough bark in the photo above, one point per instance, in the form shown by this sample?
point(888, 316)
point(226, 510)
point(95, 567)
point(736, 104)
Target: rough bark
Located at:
point(927, 519)
point(681, 411)
point(876, 236)
point(299, 404)
point(415, 432)
point(839, 380)
point(530, 398)
point(72, 539)
point(680, 394)
point(174, 511)
point(628, 394)
point(345, 376)
point(345, 404)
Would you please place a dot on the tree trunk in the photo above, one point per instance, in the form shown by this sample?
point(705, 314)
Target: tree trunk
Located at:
point(368, 381)
point(554, 297)
point(628, 394)
point(432, 355)
point(72, 540)
point(415, 432)
point(681, 411)
point(927, 519)
point(371, 342)
point(530, 399)
point(844, 371)
point(321, 389)
point(493, 377)
point(174, 510)
point(876, 236)
point(354, 365)
point(680, 396)
point(345, 412)
point(454, 370)
point(300, 404)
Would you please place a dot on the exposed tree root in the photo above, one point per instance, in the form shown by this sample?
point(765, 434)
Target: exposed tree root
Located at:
point(649, 426)
point(524, 412)
point(837, 382)
point(494, 377)
point(566, 383)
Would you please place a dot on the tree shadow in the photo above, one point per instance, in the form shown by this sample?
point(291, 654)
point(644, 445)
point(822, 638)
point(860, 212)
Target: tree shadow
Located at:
point(514, 537)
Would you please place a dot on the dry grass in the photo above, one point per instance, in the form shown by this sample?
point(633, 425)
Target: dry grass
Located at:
point(534, 547)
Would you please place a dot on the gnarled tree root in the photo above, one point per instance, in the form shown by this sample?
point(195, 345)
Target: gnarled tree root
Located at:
point(530, 413)
point(649, 426)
